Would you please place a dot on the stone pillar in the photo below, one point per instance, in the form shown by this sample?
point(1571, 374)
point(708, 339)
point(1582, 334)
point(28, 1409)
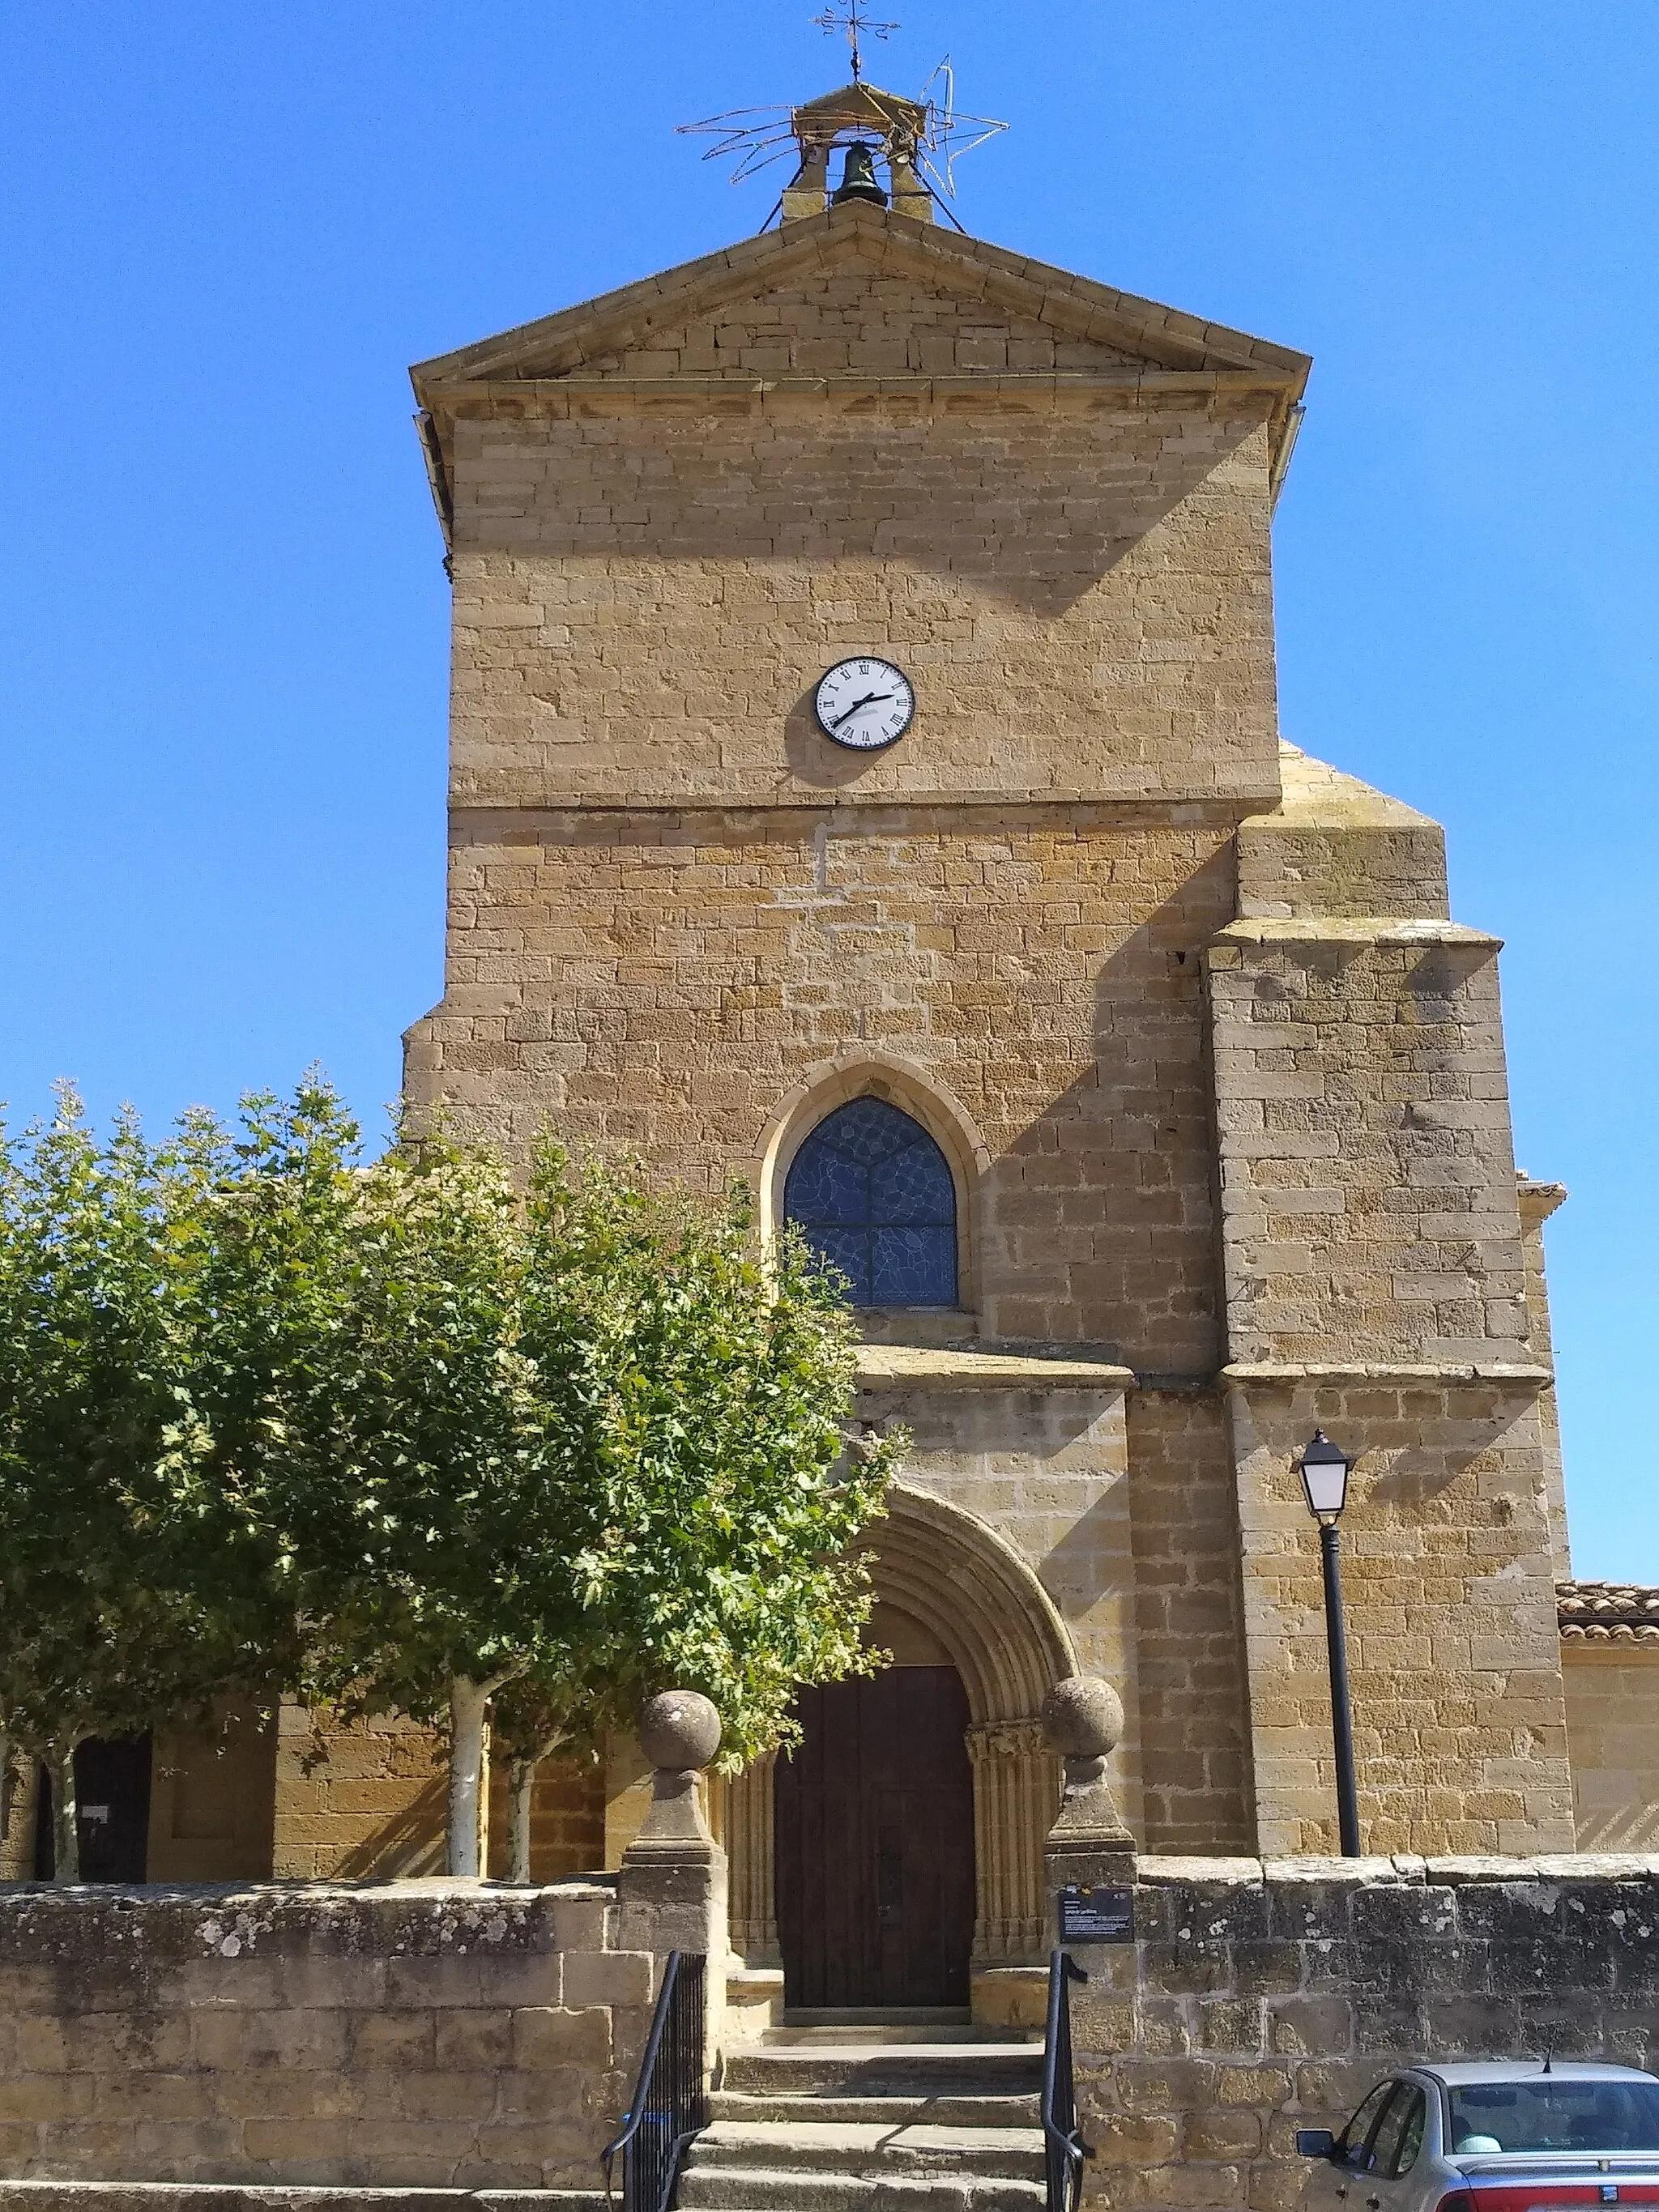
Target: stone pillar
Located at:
point(1088, 1846)
point(910, 195)
point(671, 1890)
point(810, 192)
point(749, 1847)
point(1014, 1796)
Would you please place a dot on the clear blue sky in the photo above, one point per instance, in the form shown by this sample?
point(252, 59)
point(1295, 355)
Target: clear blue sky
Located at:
point(231, 228)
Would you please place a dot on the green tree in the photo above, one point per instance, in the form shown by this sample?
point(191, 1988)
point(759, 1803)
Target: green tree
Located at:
point(111, 1617)
point(568, 1437)
point(407, 1433)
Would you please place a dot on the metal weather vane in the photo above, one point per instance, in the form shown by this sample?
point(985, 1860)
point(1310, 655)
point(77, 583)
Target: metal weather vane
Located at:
point(849, 15)
point(928, 132)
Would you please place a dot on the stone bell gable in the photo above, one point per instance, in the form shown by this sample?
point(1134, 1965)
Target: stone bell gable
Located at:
point(669, 509)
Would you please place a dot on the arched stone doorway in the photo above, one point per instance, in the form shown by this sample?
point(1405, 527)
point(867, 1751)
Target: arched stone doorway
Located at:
point(976, 1603)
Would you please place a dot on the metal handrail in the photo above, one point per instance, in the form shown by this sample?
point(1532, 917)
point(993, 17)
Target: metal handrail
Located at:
point(671, 2098)
point(1063, 2149)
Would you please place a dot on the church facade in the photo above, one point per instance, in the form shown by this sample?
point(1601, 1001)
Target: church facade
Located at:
point(866, 780)
point(1127, 1059)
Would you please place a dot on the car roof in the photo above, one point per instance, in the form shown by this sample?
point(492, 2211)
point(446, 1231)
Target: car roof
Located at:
point(1460, 2073)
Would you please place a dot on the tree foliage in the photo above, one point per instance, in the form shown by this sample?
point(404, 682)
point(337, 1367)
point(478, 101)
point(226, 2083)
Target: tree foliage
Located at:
point(411, 1433)
point(113, 1617)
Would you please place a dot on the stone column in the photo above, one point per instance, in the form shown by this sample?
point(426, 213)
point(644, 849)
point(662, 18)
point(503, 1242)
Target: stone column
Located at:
point(810, 192)
point(671, 1890)
point(1088, 1847)
point(1014, 1796)
point(749, 1847)
point(910, 195)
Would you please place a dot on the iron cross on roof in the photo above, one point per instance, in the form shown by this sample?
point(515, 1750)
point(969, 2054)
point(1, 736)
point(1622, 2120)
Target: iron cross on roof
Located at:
point(848, 16)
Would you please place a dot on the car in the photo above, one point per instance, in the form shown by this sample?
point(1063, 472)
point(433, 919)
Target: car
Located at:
point(1523, 2135)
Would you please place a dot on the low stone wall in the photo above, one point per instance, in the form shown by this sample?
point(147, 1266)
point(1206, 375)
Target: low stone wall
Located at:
point(448, 2034)
point(1262, 1996)
point(432, 2034)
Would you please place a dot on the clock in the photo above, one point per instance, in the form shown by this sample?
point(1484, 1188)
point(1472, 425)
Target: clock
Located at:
point(863, 704)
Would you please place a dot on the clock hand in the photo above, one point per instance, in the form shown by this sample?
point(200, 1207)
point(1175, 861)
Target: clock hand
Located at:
point(870, 699)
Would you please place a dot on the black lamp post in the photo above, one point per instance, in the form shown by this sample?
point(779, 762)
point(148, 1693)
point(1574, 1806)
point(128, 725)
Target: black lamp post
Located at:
point(1325, 1478)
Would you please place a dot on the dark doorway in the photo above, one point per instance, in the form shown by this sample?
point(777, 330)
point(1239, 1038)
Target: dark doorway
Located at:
point(112, 1794)
point(874, 1844)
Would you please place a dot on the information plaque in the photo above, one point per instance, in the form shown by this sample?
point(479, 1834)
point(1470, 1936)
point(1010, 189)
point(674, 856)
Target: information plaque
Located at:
point(1105, 1915)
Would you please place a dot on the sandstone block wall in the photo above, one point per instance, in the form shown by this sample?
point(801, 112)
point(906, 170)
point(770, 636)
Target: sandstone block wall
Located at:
point(1363, 1117)
point(425, 2035)
point(1613, 1732)
point(212, 1802)
point(369, 1800)
point(668, 983)
point(850, 315)
point(1259, 1998)
point(648, 589)
point(1192, 1692)
point(1454, 1652)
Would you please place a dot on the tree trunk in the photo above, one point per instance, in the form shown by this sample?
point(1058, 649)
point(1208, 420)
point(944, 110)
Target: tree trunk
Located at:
point(468, 1703)
point(521, 1775)
point(5, 1783)
point(65, 1827)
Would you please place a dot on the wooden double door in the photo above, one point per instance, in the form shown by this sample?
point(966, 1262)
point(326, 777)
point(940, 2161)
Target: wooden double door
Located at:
point(874, 1844)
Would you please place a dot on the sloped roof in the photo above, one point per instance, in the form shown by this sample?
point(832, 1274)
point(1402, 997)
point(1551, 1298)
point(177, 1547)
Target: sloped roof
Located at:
point(1607, 1613)
point(558, 345)
point(1319, 795)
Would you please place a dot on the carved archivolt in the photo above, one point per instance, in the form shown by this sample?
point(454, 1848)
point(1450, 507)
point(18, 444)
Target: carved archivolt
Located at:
point(965, 1582)
point(953, 1572)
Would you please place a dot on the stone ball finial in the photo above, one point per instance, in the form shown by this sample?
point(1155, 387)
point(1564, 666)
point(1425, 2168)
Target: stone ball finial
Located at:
point(1083, 1717)
point(680, 1730)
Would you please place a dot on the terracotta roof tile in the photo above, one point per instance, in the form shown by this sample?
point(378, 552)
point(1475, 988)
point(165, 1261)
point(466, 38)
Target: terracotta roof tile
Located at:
point(1607, 1613)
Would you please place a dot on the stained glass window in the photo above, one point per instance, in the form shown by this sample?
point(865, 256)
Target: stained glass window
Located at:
point(873, 1195)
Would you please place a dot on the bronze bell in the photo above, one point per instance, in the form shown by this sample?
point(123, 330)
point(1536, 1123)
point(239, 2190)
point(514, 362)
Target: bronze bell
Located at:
point(858, 178)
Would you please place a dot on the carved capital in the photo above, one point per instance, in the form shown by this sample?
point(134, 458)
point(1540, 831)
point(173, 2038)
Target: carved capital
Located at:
point(1007, 1740)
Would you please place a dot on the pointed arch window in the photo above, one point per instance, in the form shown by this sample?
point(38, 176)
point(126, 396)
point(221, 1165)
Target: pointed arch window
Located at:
point(873, 1194)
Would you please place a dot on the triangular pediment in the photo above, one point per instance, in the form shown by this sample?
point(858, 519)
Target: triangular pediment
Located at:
point(840, 293)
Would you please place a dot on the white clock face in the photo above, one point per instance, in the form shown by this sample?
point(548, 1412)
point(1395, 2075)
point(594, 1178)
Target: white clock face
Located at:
point(865, 704)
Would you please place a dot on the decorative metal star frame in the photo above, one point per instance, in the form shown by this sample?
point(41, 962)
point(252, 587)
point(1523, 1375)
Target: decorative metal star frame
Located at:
point(930, 127)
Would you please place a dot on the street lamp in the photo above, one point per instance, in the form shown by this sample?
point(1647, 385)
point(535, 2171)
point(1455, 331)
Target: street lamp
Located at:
point(1325, 1480)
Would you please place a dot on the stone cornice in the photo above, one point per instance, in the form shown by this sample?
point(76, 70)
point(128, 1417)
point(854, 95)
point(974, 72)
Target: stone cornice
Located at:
point(1267, 1371)
point(1538, 1200)
point(1353, 929)
point(904, 1366)
point(527, 821)
point(494, 396)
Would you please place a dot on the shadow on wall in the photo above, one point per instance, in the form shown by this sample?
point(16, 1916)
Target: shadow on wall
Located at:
point(411, 1842)
point(1099, 1216)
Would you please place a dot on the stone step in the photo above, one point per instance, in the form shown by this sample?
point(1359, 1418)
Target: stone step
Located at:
point(886, 2030)
point(879, 2069)
point(872, 2151)
point(754, 2189)
point(282, 2197)
point(929, 2109)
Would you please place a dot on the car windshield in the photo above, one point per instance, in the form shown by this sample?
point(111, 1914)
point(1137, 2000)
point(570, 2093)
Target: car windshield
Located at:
point(1552, 2114)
